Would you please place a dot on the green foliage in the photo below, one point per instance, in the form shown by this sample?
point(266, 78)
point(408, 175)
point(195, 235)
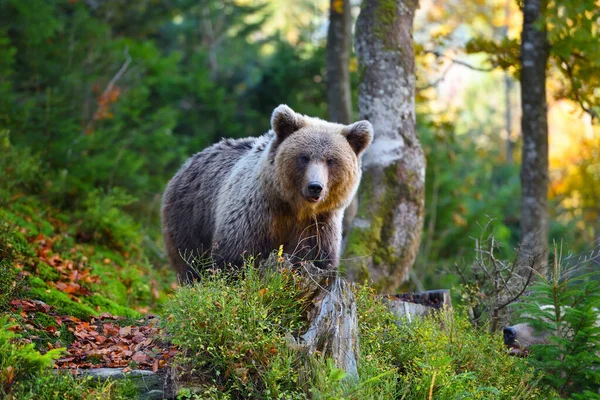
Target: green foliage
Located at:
point(446, 353)
point(463, 176)
point(65, 386)
point(103, 220)
point(19, 362)
point(234, 332)
point(467, 361)
point(573, 41)
point(8, 282)
point(565, 307)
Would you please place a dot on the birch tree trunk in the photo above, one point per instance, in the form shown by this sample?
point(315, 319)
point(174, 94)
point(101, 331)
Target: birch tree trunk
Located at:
point(534, 125)
point(338, 58)
point(386, 233)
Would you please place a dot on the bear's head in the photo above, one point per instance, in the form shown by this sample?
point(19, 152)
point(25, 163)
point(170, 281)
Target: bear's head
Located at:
point(520, 337)
point(317, 163)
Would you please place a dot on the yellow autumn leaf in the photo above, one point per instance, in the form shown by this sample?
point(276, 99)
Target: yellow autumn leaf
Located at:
point(338, 6)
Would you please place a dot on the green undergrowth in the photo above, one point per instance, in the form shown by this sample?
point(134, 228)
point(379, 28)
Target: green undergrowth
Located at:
point(74, 257)
point(237, 341)
point(99, 279)
point(26, 374)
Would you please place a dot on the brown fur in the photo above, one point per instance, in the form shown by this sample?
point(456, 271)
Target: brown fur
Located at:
point(249, 196)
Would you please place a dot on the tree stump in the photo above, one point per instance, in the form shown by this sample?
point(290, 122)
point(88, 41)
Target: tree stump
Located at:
point(418, 304)
point(331, 319)
point(333, 326)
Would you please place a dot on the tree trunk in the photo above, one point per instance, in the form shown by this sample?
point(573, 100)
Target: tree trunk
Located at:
point(338, 57)
point(332, 320)
point(508, 84)
point(339, 96)
point(534, 125)
point(386, 232)
point(508, 118)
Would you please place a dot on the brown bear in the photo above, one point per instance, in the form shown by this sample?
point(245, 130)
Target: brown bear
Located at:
point(248, 197)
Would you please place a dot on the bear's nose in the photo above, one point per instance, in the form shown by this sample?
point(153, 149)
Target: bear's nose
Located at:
point(315, 189)
point(509, 334)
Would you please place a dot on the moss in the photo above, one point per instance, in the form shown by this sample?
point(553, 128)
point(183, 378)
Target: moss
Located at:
point(90, 306)
point(47, 273)
point(8, 286)
point(39, 290)
point(106, 305)
point(44, 320)
point(385, 16)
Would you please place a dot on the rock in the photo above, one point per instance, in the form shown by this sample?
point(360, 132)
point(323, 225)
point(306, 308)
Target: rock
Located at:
point(151, 385)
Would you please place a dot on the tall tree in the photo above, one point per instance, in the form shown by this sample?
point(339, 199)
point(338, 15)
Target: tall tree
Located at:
point(386, 232)
point(338, 58)
point(339, 99)
point(534, 126)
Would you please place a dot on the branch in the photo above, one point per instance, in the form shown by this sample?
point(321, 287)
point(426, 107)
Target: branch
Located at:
point(436, 81)
point(571, 75)
point(459, 62)
point(109, 87)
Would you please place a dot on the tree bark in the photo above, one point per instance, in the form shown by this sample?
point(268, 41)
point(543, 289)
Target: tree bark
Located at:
point(338, 58)
point(508, 84)
point(386, 232)
point(508, 118)
point(339, 95)
point(534, 126)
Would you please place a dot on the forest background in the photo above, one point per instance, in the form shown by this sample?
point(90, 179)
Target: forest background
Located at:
point(110, 97)
point(101, 101)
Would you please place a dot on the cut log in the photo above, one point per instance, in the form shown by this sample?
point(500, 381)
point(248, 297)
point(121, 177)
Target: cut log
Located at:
point(407, 306)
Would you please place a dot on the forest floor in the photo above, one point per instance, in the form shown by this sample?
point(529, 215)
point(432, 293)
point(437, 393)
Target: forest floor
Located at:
point(94, 301)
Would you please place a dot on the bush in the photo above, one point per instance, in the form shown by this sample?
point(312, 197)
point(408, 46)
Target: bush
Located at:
point(233, 333)
point(448, 357)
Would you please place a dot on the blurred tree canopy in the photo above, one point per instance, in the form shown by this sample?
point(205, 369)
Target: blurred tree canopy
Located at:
point(116, 94)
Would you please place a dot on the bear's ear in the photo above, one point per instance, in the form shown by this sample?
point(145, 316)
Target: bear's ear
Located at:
point(285, 121)
point(359, 135)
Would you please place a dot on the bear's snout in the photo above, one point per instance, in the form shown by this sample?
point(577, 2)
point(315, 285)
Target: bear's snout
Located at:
point(509, 335)
point(315, 182)
point(314, 190)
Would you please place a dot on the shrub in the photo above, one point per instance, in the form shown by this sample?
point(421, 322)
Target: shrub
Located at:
point(444, 355)
point(233, 333)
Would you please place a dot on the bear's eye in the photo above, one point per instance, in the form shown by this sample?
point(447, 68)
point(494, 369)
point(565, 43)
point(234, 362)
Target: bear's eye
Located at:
point(330, 161)
point(304, 159)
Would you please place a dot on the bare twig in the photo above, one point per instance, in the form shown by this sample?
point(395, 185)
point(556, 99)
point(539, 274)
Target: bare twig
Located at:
point(459, 62)
point(437, 80)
